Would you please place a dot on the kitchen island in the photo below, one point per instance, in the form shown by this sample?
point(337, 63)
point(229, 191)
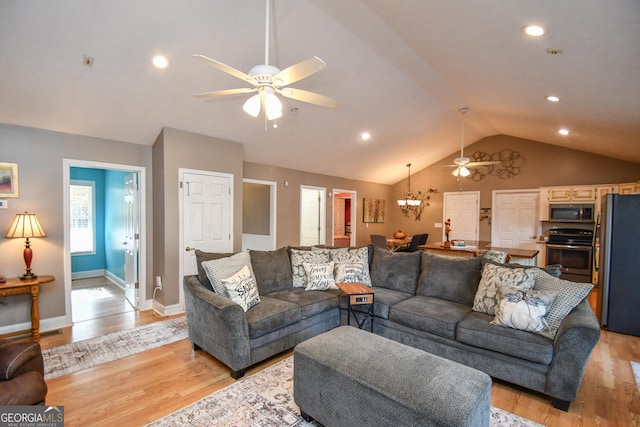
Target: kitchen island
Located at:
point(473, 248)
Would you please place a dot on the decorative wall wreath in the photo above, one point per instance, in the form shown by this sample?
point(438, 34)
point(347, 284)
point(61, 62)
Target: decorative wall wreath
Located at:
point(511, 163)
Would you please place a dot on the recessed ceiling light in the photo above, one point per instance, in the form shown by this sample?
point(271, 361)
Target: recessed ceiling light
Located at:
point(533, 30)
point(564, 132)
point(160, 61)
point(553, 98)
point(365, 136)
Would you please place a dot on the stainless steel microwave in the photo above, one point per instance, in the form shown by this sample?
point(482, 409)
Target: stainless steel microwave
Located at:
point(572, 212)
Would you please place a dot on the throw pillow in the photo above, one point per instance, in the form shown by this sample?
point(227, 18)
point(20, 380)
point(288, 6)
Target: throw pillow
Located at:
point(206, 256)
point(242, 288)
point(319, 276)
point(298, 258)
point(493, 276)
point(495, 256)
point(218, 269)
point(453, 279)
point(569, 295)
point(358, 255)
point(523, 309)
point(398, 271)
point(272, 270)
point(350, 272)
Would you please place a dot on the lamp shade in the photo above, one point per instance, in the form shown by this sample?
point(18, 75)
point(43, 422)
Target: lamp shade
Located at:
point(25, 225)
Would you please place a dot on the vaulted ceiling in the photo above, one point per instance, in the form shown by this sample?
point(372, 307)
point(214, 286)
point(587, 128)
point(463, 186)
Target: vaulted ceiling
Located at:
point(401, 70)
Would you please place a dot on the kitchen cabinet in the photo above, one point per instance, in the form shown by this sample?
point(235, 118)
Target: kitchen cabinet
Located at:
point(627, 188)
point(572, 194)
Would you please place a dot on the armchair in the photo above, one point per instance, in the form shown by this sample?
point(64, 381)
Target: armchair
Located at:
point(21, 373)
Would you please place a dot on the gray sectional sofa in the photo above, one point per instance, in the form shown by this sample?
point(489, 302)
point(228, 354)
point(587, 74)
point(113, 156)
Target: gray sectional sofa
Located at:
point(422, 300)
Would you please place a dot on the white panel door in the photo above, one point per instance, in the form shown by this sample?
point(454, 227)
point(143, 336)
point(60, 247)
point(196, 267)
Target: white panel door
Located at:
point(207, 216)
point(463, 210)
point(514, 221)
point(132, 239)
point(312, 216)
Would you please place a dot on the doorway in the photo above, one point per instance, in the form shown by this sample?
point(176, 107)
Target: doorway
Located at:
point(259, 213)
point(515, 219)
point(312, 215)
point(103, 274)
point(344, 217)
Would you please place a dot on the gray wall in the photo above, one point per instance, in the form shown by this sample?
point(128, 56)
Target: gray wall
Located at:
point(39, 155)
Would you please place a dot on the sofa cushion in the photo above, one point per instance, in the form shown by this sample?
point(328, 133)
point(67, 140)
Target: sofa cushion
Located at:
point(319, 276)
point(432, 315)
point(569, 295)
point(298, 258)
point(476, 330)
point(271, 314)
point(218, 269)
point(453, 279)
point(206, 256)
point(383, 299)
point(272, 270)
point(523, 309)
point(493, 276)
point(242, 288)
point(310, 302)
point(397, 271)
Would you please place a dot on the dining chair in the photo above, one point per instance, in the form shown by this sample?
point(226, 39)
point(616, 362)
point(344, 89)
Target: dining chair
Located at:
point(415, 242)
point(379, 240)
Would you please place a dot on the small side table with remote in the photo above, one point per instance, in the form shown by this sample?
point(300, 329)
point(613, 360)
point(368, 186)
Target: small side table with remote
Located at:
point(359, 294)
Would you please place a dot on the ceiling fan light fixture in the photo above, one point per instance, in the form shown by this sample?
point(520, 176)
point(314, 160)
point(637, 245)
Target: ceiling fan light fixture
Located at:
point(272, 106)
point(464, 172)
point(252, 105)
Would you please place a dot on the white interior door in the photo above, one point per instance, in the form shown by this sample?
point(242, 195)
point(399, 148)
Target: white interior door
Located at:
point(132, 239)
point(312, 216)
point(514, 222)
point(464, 211)
point(207, 205)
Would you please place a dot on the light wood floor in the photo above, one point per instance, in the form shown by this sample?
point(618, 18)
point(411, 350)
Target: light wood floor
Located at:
point(142, 388)
point(96, 297)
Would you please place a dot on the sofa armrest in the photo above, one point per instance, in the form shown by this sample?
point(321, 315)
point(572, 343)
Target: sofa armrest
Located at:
point(576, 338)
point(217, 324)
point(18, 357)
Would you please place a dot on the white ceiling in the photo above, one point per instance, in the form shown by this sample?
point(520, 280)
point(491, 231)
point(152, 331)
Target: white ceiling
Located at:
point(401, 70)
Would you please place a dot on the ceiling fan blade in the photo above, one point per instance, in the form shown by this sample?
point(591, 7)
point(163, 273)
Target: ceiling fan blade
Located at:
point(225, 92)
point(310, 97)
point(298, 71)
point(494, 162)
point(225, 68)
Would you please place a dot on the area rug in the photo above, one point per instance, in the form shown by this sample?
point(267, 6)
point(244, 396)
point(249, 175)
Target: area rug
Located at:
point(636, 372)
point(266, 399)
point(69, 358)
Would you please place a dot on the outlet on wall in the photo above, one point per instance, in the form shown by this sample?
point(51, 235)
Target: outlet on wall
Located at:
point(158, 282)
point(437, 225)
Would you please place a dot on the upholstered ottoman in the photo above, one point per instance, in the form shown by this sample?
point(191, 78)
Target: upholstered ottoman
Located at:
point(349, 377)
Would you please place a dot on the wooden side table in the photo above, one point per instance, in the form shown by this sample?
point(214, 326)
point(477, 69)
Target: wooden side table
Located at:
point(359, 294)
point(15, 286)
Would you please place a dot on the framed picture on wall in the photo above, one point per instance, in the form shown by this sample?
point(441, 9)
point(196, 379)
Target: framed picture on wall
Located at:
point(373, 210)
point(9, 180)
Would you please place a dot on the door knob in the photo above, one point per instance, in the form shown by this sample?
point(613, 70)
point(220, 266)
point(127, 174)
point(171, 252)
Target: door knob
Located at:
point(189, 249)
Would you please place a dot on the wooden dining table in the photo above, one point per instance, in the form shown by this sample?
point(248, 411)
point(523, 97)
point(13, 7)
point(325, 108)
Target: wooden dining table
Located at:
point(395, 244)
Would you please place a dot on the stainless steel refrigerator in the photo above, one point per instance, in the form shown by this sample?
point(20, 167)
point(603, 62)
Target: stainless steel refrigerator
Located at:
point(620, 263)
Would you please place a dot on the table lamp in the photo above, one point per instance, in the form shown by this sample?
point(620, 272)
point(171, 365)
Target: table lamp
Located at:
point(26, 225)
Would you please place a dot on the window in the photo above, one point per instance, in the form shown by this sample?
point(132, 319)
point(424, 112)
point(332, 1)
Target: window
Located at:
point(83, 227)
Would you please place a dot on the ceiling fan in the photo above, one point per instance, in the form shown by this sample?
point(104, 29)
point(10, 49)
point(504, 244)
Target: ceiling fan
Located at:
point(268, 81)
point(462, 163)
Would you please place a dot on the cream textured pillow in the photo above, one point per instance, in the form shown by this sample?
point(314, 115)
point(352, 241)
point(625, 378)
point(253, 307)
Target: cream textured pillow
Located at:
point(242, 288)
point(319, 276)
point(523, 309)
point(493, 276)
point(298, 258)
point(360, 255)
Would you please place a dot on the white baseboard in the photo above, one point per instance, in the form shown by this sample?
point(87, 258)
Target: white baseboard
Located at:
point(166, 310)
point(45, 325)
point(115, 279)
point(87, 274)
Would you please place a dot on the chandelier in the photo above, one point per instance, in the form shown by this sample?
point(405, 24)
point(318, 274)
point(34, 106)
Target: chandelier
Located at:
point(411, 202)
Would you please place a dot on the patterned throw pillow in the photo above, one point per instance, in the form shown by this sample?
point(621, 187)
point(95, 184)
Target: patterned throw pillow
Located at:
point(495, 256)
point(319, 276)
point(359, 255)
point(523, 309)
point(298, 258)
point(569, 295)
point(486, 299)
point(350, 272)
point(242, 288)
point(218, 269)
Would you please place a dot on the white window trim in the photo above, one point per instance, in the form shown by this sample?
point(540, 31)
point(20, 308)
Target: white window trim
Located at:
point(91, 184)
